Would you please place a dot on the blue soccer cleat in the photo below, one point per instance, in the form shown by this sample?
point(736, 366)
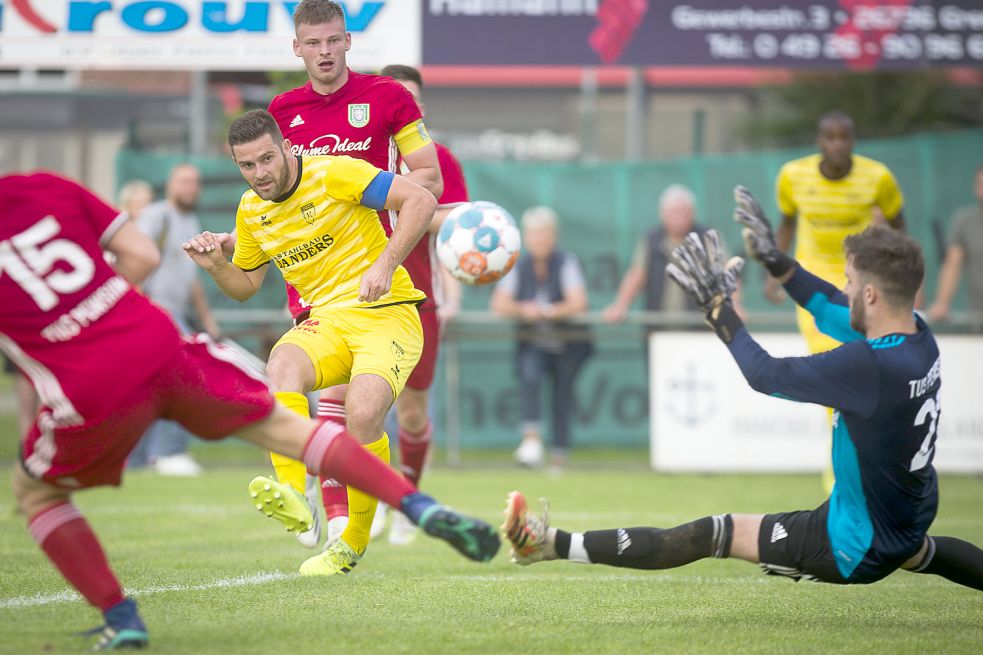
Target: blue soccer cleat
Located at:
point(124, 628)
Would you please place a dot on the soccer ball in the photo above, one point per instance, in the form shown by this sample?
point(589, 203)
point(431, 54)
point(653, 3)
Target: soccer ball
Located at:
point(478, 242)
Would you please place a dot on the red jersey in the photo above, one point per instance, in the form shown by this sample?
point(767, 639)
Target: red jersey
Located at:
point(361, 120)
point(80, 332)
point(419, 263)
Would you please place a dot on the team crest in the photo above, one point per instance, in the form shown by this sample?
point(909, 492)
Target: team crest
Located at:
point(358, 114)
point(308, 211)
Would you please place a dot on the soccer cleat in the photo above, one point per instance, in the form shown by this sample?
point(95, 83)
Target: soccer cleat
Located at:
point(401, 531)
point(281, 502)
point(312, 537)
point(529, 534)
point(471, 537)
point(336, 527)
point(379, 520)
point(339, 558)
point(124, 628)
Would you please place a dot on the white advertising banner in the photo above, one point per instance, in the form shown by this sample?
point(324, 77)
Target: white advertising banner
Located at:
point(193, 34)
point(705, 417)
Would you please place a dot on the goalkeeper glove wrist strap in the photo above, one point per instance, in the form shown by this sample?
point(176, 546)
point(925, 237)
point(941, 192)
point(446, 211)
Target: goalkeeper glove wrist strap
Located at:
point(779, 263)
point(724, 321)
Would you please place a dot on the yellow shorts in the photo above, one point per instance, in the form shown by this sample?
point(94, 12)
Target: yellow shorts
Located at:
point(816, 341)
point(349, 341)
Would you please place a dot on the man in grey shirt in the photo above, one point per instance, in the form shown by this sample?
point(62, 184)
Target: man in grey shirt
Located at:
point(175, 287)
point(965, 250)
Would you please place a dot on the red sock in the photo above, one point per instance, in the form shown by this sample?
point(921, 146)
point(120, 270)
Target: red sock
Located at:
point(66, 538)
point(413, 447)
point(333, 453)
point(334, 496)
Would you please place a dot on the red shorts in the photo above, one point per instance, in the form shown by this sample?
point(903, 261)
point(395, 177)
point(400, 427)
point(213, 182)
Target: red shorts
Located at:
point(204, 389)
point(422, 376)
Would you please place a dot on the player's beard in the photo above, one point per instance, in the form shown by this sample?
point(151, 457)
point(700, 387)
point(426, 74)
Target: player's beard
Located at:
point(858, 316)
point(280, 184)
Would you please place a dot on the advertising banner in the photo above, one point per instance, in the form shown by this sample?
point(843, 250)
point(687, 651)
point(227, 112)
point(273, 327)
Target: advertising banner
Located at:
point(193, 34)
point(851, 34)
point(705, 417)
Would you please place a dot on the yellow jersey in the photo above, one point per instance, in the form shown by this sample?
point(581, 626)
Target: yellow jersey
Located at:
point(320, 236)
point(828, 211)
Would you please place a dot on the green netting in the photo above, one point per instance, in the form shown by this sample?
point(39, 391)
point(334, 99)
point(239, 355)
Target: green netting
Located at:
point(604, 207)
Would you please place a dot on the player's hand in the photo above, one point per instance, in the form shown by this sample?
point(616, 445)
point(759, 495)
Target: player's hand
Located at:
point(529, 311)
point(376, 282)
point(759, 239)
point(938, 312)
point(698, 266)
point(205, 249)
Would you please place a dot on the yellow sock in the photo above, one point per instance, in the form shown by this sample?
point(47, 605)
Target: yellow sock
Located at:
point(290, 471)
point(361, 506)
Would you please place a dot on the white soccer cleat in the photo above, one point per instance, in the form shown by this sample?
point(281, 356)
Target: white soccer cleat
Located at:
point(336, 526)
point(312, 537)
point(181, 465)
point(530, 453)
point(379, 521)
point(402, 531)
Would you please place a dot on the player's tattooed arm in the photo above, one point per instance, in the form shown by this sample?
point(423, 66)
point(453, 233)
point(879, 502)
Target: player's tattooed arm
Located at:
point(205, 249)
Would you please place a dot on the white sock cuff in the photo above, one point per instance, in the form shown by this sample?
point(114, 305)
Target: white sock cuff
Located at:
point(577, 551)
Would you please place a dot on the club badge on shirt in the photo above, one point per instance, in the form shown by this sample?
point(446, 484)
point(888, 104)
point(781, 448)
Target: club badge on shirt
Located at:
point(358, 114)
point(308, 212)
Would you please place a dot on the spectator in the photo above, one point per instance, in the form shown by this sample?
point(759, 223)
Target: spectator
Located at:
point(965, 249)
point(175, 287)
point(544, 290)
point(134, 196)
point(677, 216)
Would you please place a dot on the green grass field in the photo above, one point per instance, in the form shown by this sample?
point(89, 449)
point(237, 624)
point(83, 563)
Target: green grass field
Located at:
point(213, 576)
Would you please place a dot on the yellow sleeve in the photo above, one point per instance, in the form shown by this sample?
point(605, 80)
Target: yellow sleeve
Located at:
point(347, 177)
point(248, 255)
point(783, 193)
point(412, 137)
point(889, 197)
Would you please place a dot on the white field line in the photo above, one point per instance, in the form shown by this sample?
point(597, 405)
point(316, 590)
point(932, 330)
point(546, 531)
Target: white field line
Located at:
point(68, 596)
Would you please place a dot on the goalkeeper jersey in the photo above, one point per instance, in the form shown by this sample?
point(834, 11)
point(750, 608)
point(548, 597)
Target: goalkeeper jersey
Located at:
point(885, 395)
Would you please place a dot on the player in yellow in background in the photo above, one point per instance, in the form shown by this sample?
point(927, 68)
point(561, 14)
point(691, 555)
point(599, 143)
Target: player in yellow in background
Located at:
point(824, 198)
point(315, 219)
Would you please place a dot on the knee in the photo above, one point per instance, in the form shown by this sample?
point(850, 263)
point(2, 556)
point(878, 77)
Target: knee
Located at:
point(364, 423)
point(32, 495)
point(411, 411)
point(289, 369)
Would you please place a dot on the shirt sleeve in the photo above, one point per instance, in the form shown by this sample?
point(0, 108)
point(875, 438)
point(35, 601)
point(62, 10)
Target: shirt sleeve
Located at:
point(347, 179)
point(827, 304)
point(151, 221)
point(784, 196)
point(571, 273)
point(248, 255)
point(889, 197)
point(957, 234)
point(455, 186)
point(845, 378)
point(509, 285)
point(641, 255)
point(103, 217)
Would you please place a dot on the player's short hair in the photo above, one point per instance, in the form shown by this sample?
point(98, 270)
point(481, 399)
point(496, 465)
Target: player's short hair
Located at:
point(676, 193)
point(834, 116)
point(892, 258)
point(539, 217)
point(318, 12)
point(251, 126)
point(403, 73)
point(131, 188)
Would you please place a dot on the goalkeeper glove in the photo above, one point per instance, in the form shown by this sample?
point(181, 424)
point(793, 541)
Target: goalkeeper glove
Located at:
point(759, 240)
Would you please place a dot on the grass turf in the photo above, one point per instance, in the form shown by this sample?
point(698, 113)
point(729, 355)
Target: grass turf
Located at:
point(213, 576)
